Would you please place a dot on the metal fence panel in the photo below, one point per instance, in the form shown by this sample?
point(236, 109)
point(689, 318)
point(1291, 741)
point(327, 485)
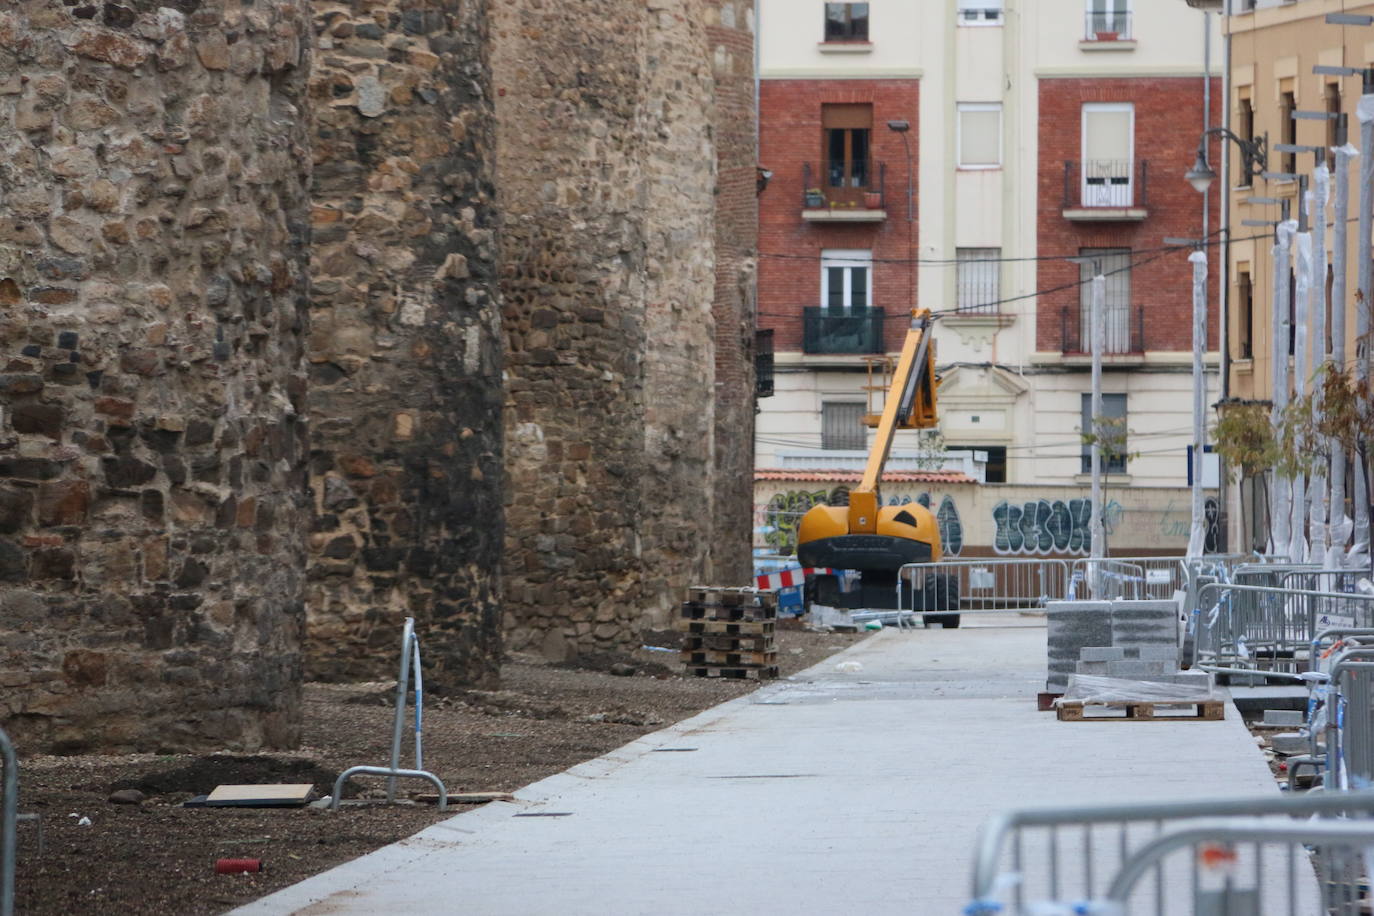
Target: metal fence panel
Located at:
point(1256, 629)
point(988, 584)
point(1026, 858)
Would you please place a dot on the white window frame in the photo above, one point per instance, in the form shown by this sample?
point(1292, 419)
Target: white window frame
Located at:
point(985, 304)
point(1123, 28)
point(846, 258)
point(973, 13)
point(1118, 195)
point(962, 107)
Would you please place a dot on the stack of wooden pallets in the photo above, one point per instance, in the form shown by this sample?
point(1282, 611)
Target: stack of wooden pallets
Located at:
point(729, 632)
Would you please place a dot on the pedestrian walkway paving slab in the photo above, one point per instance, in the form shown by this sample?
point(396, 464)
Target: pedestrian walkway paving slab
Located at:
point(829, 792)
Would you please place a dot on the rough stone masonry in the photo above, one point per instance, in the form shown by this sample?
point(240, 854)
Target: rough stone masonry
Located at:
point(153, 233)
point(405, 345)
point(279, 277)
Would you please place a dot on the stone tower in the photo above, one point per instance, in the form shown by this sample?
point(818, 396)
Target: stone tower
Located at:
point(153, 233)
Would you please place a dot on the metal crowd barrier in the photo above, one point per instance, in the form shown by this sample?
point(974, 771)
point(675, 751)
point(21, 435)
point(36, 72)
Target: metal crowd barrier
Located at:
point(1027, 859)
point(991, 584)
point(9, 839)
point(1251, 866)
point(1350, 721)
point(1249, 629)
point(1135, 577)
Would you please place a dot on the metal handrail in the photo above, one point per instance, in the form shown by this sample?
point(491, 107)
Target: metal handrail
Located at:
point(993, 835)
point(410, 648)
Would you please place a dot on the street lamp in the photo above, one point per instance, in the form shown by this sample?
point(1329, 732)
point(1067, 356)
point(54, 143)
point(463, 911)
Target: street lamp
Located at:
point(902, 128)
point(1253, 154)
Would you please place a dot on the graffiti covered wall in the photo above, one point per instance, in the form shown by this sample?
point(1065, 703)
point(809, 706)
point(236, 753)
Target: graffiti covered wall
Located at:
point(1000, 519)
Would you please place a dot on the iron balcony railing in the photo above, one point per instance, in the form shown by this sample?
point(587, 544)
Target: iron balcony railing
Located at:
point(856, 184)
point(1122, 335)
point(763, 363)
point(842, 331)
point(1105, 183)
point(1107, 25)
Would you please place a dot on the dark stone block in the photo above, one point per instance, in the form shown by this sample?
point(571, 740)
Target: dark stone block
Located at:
point(54, 563)
point(199, 432)
point(125, 472)
point(13, 564)
point(340, 548)
point(68, 340)
point(30, 468)
point(15, 508)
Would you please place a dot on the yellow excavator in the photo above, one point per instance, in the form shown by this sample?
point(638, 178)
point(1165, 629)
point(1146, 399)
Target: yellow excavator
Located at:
point(871, 539)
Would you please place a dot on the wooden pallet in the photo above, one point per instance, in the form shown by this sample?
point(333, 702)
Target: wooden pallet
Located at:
point(727, 627)
point(762, 642)
point(692, 610)
point(1141, 711)
point(732, 597)
point(723, 671)
point(731, 658)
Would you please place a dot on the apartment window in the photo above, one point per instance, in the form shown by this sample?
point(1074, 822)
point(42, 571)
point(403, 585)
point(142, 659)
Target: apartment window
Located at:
point(979, 285)
point(1245, 314)
point(846, 22)
point(1108, 144)
point(980, 135)
point(1288, 129)
point(1115, 264)
point(1113, 433)
point(1332, 97)
point(1108, 19)
point(980, 12)
point(846, 279)
point(846, 130)
point(1245, 129)
point(842, 425)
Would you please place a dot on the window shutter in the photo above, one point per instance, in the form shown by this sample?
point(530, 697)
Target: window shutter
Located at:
point(1107, 135)
point(979, 130)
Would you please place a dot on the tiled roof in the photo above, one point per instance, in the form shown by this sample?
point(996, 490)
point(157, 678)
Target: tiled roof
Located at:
point(811, 475)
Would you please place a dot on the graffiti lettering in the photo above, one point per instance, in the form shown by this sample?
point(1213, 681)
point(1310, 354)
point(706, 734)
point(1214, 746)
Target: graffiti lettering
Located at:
point(1049, 526)
point(947, 518)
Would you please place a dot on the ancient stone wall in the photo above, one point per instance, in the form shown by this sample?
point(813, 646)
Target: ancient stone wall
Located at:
point(606, 180)
point(153, 169)
point(405, 349)
point(730, 34)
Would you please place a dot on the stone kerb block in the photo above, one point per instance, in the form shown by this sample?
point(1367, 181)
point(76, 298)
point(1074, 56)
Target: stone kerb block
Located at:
point(1101, 654)
point(1138, 630)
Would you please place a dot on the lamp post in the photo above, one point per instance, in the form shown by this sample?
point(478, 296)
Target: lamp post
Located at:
point(902, 128)
point(1254, 162)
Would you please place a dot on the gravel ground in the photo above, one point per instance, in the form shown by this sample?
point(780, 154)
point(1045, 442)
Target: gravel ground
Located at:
point(158, 857)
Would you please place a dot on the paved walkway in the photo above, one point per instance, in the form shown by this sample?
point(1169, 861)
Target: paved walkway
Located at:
point(830, 792)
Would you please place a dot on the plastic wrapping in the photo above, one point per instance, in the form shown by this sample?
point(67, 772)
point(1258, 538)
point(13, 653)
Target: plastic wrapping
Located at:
point(1092, 689)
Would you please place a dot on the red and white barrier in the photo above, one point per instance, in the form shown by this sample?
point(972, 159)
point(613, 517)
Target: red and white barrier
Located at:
point(789, 577)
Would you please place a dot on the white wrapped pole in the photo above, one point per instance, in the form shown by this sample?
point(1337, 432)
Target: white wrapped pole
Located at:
point(1340, 524)
point(1099, 537)
point(1364, 110)
point(1297, 543)
point(1281, 491)
point(1197, 535)
point(1316, 313)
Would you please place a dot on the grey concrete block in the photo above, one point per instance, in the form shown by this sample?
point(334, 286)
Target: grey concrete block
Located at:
point(1165, 653)
point(1071, 626)
point(1144, 623)
point(1101, 654)
point(1282, 717)
point(1096, 669)
point(1290, 743)
point(1134, 668)
point(1131, 652)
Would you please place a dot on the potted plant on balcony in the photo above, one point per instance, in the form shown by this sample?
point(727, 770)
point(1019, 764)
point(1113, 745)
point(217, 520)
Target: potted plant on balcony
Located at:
point(873, 200)
point(1106, 36)
point(814, 198)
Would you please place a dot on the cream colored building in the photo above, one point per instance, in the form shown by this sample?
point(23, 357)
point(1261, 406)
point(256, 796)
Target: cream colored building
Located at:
point(1273, 49)
point(982, 68)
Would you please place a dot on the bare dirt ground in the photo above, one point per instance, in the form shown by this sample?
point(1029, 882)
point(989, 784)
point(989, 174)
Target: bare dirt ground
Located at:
point(158, 857)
